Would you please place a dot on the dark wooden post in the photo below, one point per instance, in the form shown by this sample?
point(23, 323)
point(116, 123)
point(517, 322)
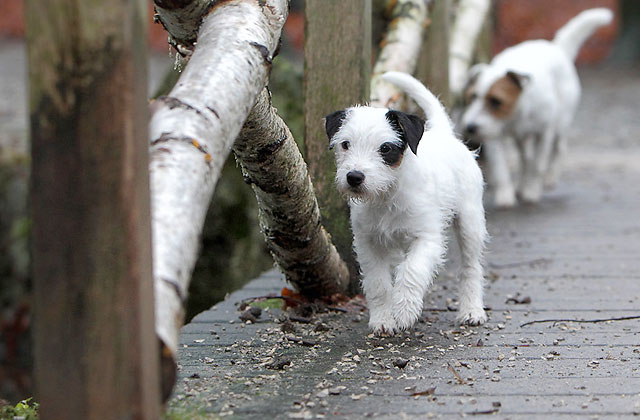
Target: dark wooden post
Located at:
point(96, 353)
point(337, 66)
point(433, 66)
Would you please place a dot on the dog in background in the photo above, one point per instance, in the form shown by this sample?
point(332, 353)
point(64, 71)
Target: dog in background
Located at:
point(530, 93)
point(405, 187)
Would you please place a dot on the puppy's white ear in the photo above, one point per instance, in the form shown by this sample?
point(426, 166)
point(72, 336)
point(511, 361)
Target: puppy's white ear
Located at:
point(472, 75)
point(410, 128)
point(475, 71)
point(520, 79)
point(333, 122)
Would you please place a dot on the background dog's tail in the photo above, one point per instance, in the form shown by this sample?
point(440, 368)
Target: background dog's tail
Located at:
point(575, 32)
point(433, 109)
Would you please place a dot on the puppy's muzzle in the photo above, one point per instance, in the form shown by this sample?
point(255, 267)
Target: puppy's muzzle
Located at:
point(355, 178)
point(471, 129)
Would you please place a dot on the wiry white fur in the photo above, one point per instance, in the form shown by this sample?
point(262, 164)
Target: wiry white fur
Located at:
point(544, 110)
point(399, 216)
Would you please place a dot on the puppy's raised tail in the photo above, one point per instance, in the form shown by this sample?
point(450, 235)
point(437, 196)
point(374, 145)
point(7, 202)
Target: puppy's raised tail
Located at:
point(575, 32)
point(434, 111)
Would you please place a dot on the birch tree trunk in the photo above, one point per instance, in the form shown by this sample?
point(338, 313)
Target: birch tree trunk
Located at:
point(400, 50)
point(289, 214)
point(470, 17)
point(192, 131)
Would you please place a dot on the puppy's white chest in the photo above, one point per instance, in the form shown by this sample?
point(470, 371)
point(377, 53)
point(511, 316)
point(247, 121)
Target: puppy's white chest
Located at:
point(385, 228)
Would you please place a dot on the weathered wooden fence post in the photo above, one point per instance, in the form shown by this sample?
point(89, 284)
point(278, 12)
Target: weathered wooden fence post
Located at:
point(96, 352)
point(433, 65)
point(337, 65)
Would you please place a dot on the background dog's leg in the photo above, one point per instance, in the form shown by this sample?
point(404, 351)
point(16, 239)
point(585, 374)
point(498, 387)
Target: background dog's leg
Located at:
point(414, 276)
point(498, 174)
point(376, 284)
point(536, 165)
point(471, 232)
point(555, 165)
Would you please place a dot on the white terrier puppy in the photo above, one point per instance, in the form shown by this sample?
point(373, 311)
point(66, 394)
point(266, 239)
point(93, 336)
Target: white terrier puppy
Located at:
point(405, 186)
point(529, 92)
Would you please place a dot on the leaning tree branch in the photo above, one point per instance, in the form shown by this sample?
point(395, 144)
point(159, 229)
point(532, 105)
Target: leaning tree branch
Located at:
point(400, 49)
point(470, 16)
point(192, 131)
point(288, 209)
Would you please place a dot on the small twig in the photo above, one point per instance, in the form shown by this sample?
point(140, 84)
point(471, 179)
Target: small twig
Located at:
point(520, 263)
point(300, 319)
point(456, 374)
point(584, 321)
point(479, 413)
point(302, 341)
point(337, 309)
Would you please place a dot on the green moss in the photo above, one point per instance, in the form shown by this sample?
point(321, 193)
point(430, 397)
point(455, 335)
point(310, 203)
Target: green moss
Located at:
point(269, 303)
point(188, 410)
point(24, 410)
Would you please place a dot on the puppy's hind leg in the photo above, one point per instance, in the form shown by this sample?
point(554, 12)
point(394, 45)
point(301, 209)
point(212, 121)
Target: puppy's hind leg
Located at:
point(536, 166)
point(470, 228)
point(555, 164)
point(498, 174)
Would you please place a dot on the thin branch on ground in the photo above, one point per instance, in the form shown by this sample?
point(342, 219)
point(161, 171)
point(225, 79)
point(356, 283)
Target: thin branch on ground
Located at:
point(456, 374)
point(582, 321)
point(520, 263)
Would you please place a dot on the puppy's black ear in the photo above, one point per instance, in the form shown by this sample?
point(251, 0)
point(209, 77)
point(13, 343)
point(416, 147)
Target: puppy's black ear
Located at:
point(410, 128)
point(333, 121)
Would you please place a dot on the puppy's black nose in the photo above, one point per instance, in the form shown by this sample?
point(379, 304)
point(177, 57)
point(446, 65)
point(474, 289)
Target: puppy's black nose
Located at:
point(355, 178)
point(471, 128)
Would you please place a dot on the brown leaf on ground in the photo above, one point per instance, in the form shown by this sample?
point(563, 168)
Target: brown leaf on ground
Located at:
point(426, 392)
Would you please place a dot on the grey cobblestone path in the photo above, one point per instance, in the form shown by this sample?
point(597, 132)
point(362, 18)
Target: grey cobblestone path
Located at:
point(574, 256)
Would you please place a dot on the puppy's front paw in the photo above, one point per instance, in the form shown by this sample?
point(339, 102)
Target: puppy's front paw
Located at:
point(471, 316)
point(406, 315)
point(382, 324)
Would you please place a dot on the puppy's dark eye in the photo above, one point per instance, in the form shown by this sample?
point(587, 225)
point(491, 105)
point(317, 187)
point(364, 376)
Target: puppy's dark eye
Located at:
point(494, 102)
point(345, 145)
point(385, 148)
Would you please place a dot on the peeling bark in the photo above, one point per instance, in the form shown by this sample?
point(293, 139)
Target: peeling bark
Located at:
point(400, 50)
point(289, 214)
point(470, 17)
point(191, 132)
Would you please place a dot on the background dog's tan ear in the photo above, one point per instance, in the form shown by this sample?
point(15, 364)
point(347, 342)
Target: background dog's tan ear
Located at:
point(333, 122)
point(520, 79)
point(410, 128)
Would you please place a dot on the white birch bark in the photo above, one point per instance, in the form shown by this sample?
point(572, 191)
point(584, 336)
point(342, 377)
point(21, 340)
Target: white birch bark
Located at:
point(470, 16)
point(192, 131)
point(288, 209)
point(400, 50)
